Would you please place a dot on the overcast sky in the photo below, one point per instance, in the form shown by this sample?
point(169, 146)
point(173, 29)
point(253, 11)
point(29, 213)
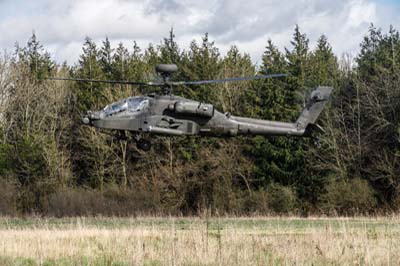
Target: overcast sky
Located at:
point(61, 26)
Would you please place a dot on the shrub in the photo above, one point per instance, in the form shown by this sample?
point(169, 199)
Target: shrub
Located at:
point(276, 199)
point(112, 201)
point(282, 199)
point(256, 202)
point(351, 197)
point(8, 198)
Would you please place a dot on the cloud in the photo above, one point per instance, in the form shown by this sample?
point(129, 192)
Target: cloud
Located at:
point(62, 25)
point(164, 7)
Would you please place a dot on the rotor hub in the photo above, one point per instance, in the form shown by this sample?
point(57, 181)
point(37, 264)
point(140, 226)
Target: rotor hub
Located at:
point(166, 69)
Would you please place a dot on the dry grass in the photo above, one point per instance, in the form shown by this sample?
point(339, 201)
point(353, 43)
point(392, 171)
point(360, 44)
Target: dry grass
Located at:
point(194, 241)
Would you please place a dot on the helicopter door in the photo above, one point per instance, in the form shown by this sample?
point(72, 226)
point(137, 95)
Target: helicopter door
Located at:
point(144, 114)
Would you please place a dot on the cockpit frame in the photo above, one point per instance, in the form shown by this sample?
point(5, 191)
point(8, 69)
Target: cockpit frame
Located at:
point(130, 105)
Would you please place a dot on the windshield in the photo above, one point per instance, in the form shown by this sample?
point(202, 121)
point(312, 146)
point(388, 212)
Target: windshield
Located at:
point(131, 104)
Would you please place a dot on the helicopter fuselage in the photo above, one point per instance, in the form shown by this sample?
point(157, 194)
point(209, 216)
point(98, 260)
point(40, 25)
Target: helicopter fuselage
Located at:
point(174, 115)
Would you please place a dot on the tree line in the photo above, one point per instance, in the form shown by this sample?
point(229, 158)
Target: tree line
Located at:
point(52, 165)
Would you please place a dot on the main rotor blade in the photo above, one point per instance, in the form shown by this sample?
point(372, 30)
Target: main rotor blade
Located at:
point(226, 80)
point(174, 83)
point(110, 81)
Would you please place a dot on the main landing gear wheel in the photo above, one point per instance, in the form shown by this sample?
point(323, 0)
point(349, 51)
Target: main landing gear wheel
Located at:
point(143, 144)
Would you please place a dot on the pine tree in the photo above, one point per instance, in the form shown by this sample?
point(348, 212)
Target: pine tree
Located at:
point(324, 69)
point(203, 64)
point(137, 65)
point(169, 50)
point(272, 92)
point(90, 67)
point(377, 107)
point(120, 65)
point(231, 95)
point(380, 54)
point(277, 159)
point(106, 58)
point(297, 57)
point(37, 59)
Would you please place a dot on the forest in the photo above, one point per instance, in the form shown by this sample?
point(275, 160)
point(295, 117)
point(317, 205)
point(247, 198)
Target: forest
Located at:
point(52, 165)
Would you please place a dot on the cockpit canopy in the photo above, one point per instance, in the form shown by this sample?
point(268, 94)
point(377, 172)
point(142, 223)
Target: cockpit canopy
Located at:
point(131, 105)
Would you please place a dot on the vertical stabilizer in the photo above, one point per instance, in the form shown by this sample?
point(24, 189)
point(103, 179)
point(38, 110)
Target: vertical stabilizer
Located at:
point(314, 107)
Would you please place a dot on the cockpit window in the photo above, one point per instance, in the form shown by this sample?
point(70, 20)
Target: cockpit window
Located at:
point(132, 104)
point(137, 104)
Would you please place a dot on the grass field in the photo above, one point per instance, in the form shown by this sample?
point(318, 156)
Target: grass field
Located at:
point(195, 241)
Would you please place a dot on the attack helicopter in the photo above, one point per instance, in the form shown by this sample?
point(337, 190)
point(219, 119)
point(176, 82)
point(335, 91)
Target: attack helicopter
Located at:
point(168, 114)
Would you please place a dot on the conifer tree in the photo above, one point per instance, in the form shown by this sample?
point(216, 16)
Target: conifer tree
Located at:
point(277, 159)
point(377, 105)
point(380, 54)
point(169, 50)
point(37, 59)
point(272, 91)
point(106, 58)
point(297, 57)
point(137, 65)
point(37, 117)
point(231, 95)
point(203, 64)
point(324, 69)
point(120, 65)
point(89, 93)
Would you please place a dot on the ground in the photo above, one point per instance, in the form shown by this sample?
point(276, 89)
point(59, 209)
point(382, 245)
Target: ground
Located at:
point(200, 241)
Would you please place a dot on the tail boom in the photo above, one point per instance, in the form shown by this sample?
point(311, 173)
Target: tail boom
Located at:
point(303, 125)
point(249, 126)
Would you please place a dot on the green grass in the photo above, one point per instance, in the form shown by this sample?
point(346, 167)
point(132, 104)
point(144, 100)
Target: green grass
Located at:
point(260, 223)
point(82, 261)
point(157, 241)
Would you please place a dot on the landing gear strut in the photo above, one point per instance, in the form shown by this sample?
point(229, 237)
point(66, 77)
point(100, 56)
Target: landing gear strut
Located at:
point(141, 143)
point(121, 135)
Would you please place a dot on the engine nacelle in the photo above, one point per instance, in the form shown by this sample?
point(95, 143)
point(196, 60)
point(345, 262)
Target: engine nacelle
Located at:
point(193, 108)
